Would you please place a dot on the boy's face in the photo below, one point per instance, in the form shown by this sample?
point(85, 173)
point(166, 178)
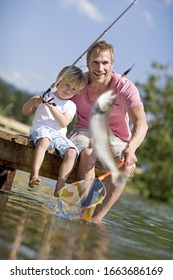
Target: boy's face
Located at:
point(65, 90)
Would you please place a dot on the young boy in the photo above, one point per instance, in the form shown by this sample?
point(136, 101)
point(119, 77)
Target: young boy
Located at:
point(49, 126)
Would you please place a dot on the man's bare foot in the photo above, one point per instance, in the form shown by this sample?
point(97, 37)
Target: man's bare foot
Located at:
point(56, 190)
point(34, 181)
point(96, 220)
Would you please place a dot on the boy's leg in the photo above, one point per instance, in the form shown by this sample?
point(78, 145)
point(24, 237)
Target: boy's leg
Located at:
point(65, 169)
point(37, 160)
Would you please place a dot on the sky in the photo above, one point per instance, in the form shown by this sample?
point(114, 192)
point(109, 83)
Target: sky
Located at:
point(39, 37)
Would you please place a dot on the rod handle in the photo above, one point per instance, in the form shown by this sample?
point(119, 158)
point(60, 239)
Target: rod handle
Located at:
point(102, 177)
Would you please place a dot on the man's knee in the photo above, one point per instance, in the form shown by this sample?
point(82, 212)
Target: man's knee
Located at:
point(87, 158)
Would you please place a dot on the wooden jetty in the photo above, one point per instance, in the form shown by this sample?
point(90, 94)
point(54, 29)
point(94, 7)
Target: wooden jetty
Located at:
point(13, 126)
point(16, 154)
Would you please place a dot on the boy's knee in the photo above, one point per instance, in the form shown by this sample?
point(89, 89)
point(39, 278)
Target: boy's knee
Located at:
point(45, 142)
point(71, 152)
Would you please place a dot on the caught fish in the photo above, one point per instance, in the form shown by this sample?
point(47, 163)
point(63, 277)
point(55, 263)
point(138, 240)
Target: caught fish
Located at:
point(99, 132)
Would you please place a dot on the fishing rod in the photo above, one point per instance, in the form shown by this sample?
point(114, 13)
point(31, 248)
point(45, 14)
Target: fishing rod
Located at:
point(103, 176)
point(80, 57)
point(47, 99)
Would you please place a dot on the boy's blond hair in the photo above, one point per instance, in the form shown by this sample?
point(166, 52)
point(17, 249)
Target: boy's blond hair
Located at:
point(74, 77)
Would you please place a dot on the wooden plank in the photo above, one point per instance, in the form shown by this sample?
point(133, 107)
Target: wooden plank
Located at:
point(14, 125)
point(16, 138)
point(16, 153)
point(6, 180)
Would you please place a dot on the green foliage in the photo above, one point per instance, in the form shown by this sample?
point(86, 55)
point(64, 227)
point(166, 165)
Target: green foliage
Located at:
point(156, 153)
point(11, 102)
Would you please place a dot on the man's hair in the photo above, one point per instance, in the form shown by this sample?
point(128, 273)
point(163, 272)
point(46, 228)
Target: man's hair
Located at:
point(100, 46)
point(74, 76)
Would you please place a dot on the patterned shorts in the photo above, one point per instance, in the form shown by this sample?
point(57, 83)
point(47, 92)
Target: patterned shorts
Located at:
point(81, 139)
point(57, 141)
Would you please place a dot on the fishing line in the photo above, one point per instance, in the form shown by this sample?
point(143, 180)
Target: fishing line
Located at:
point(80, 57)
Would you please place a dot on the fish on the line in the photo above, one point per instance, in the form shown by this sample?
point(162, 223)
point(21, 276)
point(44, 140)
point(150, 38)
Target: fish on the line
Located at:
point(99, 133)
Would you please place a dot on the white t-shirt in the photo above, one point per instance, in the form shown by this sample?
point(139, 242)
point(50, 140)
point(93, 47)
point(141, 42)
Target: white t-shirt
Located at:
point(44, 117)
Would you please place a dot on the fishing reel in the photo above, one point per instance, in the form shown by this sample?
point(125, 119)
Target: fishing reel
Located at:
point(46, 98)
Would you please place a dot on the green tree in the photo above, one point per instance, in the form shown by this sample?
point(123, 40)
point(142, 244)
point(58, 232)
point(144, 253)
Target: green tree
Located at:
point(156, 153)
point(11, 102)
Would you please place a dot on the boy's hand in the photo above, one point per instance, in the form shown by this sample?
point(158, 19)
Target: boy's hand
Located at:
point(47, 99)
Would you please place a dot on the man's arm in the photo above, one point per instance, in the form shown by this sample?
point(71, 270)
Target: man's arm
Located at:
point(138, 119)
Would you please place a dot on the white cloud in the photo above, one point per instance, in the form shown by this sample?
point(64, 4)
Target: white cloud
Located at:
point(85, 7)
point(15, 78)
point(148, 18)
point(35, 77)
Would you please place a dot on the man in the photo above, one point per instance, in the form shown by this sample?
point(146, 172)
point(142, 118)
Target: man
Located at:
point(127, 107)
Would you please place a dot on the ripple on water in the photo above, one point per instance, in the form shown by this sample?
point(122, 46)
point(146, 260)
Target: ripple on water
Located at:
point(133, 229)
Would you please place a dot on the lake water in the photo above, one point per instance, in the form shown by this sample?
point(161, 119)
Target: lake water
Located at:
point(134, 229)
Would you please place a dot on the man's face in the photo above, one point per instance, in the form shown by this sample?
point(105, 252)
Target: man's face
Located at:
point(100, 66)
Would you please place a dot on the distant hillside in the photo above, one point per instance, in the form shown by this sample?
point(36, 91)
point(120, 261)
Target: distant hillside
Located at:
point(11, 102)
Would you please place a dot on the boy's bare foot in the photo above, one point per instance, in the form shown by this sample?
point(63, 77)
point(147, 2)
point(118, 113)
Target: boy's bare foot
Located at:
point(34, 181)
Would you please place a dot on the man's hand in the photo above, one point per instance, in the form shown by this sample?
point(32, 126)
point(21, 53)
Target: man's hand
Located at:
point(128, 155)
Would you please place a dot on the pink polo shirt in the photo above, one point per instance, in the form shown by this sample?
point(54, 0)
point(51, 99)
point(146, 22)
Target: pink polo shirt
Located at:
point(127, 97)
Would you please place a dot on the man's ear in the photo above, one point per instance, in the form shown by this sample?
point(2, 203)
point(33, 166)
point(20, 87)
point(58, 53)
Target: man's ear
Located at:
point(87, 62)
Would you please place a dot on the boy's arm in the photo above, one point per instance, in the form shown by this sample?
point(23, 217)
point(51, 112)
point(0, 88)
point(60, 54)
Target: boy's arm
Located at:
point(31, 104)
point(62, 118)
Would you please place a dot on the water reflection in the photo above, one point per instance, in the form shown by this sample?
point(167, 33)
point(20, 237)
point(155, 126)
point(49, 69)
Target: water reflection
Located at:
point(31, 229)
point(40, 234)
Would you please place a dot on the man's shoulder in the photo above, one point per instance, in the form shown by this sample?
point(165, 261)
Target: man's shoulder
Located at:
point(120, 82)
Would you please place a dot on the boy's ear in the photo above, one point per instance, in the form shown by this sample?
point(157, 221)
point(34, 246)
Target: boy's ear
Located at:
point(53, 85)
point(57, 85)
